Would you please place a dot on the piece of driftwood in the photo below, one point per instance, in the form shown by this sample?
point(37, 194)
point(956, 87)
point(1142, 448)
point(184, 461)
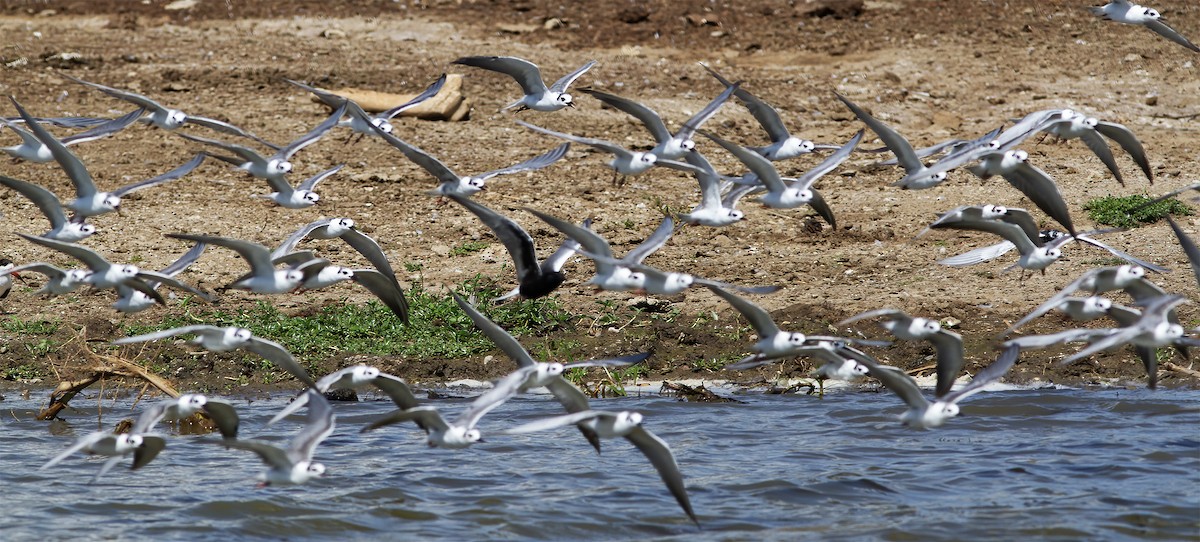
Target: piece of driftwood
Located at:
point(105, 367)
point(699, 393)
point(448, 104)
point(1180, 369)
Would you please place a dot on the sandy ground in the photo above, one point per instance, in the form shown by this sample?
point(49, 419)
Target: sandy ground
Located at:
point(931, 69)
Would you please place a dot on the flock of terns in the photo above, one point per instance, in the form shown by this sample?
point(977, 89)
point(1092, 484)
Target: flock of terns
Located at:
point(1147, 323)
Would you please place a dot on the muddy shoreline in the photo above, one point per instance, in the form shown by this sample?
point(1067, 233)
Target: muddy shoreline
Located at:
point(932, 76)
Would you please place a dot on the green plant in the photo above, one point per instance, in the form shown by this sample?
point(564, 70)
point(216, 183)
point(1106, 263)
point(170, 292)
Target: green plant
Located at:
point(25, 371)
point(468, 247)
point(1130, 211)
point(31, 327)
point(437, 328)
point(41, 347)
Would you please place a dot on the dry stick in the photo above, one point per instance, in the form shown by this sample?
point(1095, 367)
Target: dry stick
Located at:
point(1180, 369)
point(153, 379)
point(66, 390)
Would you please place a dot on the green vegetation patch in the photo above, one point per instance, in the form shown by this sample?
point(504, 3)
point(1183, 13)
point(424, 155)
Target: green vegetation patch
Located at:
point(438, 328)
point(1131, 211)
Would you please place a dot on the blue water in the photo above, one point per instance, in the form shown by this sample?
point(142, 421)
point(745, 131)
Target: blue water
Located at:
point(1030, 464)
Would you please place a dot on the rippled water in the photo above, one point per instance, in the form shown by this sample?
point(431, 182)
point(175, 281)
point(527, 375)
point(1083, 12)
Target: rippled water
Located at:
point(1044, 464)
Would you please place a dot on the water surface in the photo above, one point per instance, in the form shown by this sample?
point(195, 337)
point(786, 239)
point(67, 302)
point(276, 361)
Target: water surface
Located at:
point(1045, 464)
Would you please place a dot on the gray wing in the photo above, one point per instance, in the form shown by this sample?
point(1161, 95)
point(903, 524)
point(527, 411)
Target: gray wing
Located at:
point(85, 185)
point(383, 288)
point(277, 354)
point(151, 416)
point(426, 94)
point(525, 72)
point(1161, 28)
point(222, 126)
point(84, 442)
point(1042, 191)
point(574, 401)
point(766, 115)
point(1084, 238)
point(760, 166)
point(1011, 232)
point(689, 128)
point(1033, 342)
point(949, 359)
point(294, 260)
point(590, 240)
point(270, 454)
point(371, 250)
point(647, 116)
point(292, 241)
point(245, 153)
point(43, 199)
point(979, 255)
point(144, 454)
point(566, 80)
point(891, 314)
point(311, 182)
point(752, 290)
point(829, 163)
point(197, 329)
point(258, 256)
point(559, 258)
point(659, 454)
point(516, 240)
point(396, 389)
point(224, 416)
point(318, 425)
point(597, 143)
point(537, 162)
point(165, 178)
point(1129, 142)
point(501, 338)
point(161, 278)
point(89, 257)
point(1028, 125)
point(1096, 143)
point(50, 271)
point(424, 416)
point(1189, 247)
point(822, 208)
point(763, 324)
point(898, 381)
point(105, 129)
point(145, 288)
point(185, 261)
point(555, 421)
point(63, 122)
point(132, 97)
point(1115, 338)
point(27, 139)
point(652, 243)
point(989, 374)
point(503, 390)
point(709, 179)
point(1022, 218)
point(299, 402)
point(612, 362)
point(434, 166)
point(313, 135)
point(1149, 357)
point(895, 142)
